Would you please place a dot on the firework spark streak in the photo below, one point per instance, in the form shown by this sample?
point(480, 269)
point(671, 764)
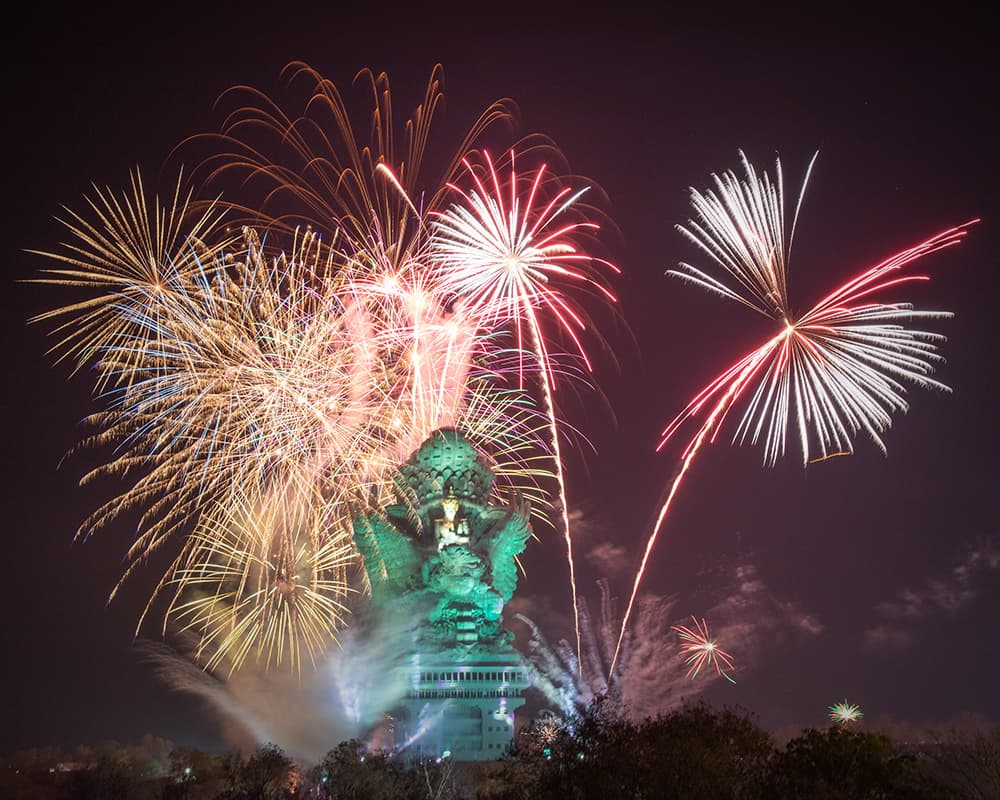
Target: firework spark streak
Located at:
point(501, 257)
point(845, 713)
point(832, 372)
point(701, 649)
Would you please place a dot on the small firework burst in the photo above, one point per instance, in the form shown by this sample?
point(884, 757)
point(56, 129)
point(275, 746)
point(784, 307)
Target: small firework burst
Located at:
point(844, 713)
point(547, 728)
point(701, 649)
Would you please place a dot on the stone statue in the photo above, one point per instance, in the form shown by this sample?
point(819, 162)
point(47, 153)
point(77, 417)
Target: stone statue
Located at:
point(445, 545)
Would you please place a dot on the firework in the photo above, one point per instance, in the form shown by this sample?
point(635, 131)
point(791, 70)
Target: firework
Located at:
point(244, 378)
point(316, 167)
point(701, 649)
point(262, 382)
point(250, 378)
point(833, 371)
point(504, 253)
point(262, 579)
point(845, 713)
point(125, 255)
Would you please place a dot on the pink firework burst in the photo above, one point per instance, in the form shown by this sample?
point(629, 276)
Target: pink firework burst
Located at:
point(701, 649)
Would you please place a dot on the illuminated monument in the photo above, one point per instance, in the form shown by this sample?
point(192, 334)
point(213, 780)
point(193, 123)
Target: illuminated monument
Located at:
point(446, 556)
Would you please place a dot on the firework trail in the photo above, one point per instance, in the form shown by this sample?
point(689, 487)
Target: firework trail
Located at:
point(701, 649)
point(833, 371)
point(501, 257)
point(639, 688)
point(746, 612)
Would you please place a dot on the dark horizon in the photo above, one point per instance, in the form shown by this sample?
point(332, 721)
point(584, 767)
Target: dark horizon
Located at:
point(904, 117)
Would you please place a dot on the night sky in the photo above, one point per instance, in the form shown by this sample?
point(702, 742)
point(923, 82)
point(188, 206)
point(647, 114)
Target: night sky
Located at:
point(897, 558)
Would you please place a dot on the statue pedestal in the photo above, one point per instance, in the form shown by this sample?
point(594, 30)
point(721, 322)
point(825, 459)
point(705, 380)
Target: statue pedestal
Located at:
point(465, 707)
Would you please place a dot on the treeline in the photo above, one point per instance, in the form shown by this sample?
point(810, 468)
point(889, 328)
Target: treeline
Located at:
point(697, 752)
point(700, 752)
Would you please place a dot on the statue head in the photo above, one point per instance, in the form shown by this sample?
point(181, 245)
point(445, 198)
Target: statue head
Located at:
point(446, 461)
point(450, 505)
point(449, 529)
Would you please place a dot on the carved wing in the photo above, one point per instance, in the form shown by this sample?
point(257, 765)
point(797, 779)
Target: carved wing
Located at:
point(508, 535)
point(391, 557)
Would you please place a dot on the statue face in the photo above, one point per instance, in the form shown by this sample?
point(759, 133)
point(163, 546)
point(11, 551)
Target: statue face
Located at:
point(450, 507)
point(449, 529)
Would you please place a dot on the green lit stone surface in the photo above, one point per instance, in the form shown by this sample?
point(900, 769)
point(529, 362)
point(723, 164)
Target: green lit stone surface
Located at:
point(450, 556)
